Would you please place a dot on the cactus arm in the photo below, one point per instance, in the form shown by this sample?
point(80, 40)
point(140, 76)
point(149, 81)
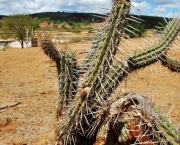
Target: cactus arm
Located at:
point(65, 64)
point(109, 41)
point(143, 58)
point(169, 131)
point(49, 48)
point(156, 52)
point(67, 77)
point(169, 30)
point(95, 44)
point(173, 65)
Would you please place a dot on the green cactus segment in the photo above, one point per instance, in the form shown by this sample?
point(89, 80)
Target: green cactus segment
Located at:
point(155, 52)
point(91, 54)
point(104, 56)
point(166, 128)
point(143, 58)
point(49, 48)
point(109, 41)
point(67, 77)
point(66, 64)
point(112, 79)
point(169, 131)
point(173, 65)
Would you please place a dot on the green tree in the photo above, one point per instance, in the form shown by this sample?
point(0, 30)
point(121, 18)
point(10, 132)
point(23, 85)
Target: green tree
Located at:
point(17, 27)
point(35, 23)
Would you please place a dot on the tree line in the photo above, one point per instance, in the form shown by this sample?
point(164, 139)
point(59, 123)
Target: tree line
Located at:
point(21, 26)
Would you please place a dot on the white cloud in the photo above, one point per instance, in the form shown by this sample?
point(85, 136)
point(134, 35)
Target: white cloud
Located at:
point(177, 5)
point(167, 9)
point(171, 14)
point(160, 2)
point(4, 1)
point(34, 6)
point(159, 11)
point(141, 7)
point(138, 1)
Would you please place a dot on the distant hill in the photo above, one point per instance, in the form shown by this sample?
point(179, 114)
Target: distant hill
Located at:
point(151, 22)
point(65, 16)
point(148, 21)
point(1, 16)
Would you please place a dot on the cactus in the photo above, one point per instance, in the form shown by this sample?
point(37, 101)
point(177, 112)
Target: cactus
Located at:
point(66, 64)
point(157, 51)
point(89, 110)
point(173, 65)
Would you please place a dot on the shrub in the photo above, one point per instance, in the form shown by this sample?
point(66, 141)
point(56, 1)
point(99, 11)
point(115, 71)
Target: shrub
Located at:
point(63, 25)
point(87, 22)
point(35, 23)
point(70, 23)
point(78, 25)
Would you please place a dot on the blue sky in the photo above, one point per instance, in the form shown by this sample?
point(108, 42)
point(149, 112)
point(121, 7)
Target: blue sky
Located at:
point(166, 8)
point(142, 7)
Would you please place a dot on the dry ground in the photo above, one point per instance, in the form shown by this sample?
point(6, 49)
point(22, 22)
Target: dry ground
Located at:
point(25, 78)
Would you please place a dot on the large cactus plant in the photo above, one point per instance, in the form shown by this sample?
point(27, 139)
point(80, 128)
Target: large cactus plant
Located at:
point(90, 112)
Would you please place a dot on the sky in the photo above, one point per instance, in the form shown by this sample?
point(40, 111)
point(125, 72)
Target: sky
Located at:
point(165, 8)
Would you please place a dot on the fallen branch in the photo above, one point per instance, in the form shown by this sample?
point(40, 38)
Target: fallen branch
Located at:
point(2, 107)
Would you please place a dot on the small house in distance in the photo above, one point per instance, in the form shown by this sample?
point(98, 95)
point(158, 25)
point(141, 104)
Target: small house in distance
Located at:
point(4, 43)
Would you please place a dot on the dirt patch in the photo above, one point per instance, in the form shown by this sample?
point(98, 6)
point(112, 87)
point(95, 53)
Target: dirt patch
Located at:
point(27, 76)
point(23, 78)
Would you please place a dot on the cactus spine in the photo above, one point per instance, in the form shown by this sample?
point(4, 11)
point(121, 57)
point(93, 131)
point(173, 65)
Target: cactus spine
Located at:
point(87, 111)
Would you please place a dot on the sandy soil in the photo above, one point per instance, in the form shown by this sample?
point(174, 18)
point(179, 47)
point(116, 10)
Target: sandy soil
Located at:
point(27, 79)
point(24, 79)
